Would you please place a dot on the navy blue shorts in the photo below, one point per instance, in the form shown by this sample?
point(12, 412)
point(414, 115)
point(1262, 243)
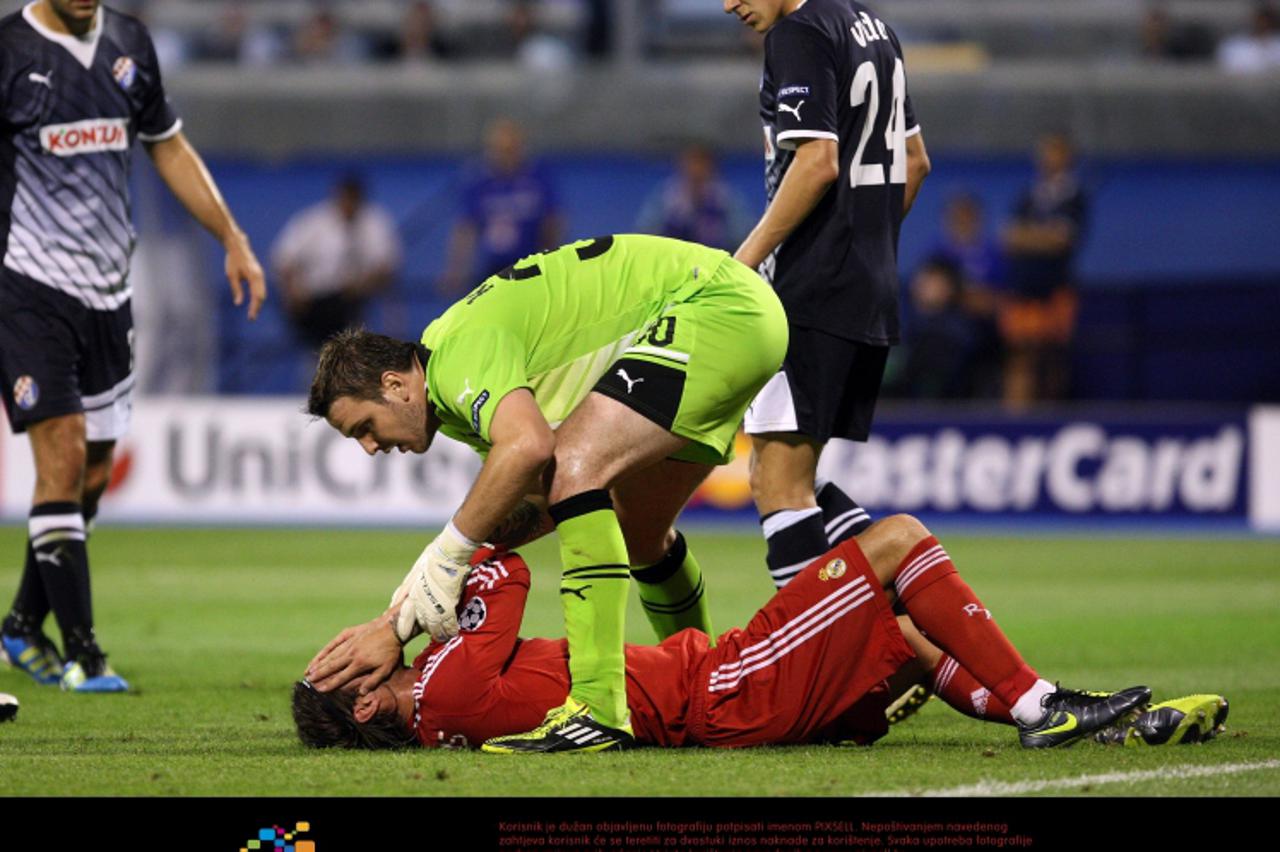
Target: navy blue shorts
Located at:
point(59, 357)
point(827, 388)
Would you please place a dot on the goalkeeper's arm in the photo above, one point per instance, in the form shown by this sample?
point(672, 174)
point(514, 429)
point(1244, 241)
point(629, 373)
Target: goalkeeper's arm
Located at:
point(527, 522)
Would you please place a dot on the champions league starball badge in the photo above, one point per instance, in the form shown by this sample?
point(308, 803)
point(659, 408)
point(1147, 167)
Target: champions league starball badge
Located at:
point(26, 393)
point(125, 71)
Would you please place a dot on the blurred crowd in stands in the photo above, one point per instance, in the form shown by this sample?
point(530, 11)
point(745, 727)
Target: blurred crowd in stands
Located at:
point(552, 34)
point(539, 33)
point(989, 314)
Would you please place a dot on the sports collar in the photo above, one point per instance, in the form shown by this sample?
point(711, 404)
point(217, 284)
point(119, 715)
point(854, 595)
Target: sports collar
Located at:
point(83, 48)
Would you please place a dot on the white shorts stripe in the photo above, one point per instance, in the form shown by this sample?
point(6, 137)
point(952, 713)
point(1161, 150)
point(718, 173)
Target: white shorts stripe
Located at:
point(107, 414)
point(795, 624)
point(106, 397)
point(780, 640)
point(657, 352)
point(795, 641)
point(773, 409)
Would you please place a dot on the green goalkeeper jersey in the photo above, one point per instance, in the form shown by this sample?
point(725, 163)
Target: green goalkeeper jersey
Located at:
point(554, 323)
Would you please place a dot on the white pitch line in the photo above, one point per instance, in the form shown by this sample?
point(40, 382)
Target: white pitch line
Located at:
point(1016, 788)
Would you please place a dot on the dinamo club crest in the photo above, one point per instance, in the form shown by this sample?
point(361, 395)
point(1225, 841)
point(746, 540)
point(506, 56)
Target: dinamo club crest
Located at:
point(125, 72)
point(26, 393)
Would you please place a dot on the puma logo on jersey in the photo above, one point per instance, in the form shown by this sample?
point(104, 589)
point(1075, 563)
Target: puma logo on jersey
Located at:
point(42, 79)
point(466, 391)
point(973, 609)
point(792, 109)
point(631, 383)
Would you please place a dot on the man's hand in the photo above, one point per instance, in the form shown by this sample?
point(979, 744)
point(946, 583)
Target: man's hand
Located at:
point(364, 655)
point(815, 167)
point(242, 266)
point(433, 587)
point(185, 173)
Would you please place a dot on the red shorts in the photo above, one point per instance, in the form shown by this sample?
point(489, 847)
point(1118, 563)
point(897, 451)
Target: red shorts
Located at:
point(809, 667)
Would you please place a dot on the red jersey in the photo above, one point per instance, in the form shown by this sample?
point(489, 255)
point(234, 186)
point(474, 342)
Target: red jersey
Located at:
point(807, 667)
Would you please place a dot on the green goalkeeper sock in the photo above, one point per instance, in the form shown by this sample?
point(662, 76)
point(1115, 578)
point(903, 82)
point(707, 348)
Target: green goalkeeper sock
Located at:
point(593, 592)
point(672, 592)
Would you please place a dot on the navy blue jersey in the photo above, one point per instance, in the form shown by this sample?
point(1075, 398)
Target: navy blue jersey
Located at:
point(1036, 275)
point(833, 70)
point(70, 110)
point(508, 213)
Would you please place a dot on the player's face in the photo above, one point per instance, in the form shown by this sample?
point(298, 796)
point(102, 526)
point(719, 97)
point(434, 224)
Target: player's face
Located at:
point(398, 421)
point(760, 15)
point(74, 10)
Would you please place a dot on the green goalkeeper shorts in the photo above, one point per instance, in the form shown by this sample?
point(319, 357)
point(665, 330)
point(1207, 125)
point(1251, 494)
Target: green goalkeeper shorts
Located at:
point(696, 365)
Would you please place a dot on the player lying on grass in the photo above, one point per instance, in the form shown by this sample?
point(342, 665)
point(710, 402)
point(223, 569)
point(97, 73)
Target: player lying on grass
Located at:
point(816, 664)
point(609, 377)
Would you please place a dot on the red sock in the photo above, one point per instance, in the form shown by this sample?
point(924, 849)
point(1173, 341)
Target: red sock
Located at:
point(962, 692)
point(950, 614)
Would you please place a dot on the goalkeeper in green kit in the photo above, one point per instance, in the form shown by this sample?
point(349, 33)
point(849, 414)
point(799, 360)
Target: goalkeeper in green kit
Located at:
point(604, 380)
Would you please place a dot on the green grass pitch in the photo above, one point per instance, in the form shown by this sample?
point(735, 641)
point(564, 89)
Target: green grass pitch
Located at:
point(212, 627)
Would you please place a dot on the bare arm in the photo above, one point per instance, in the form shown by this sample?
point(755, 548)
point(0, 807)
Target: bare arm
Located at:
point(527, 522)
point(185, 173)
point(918, 168)
point(523, 445)
point(815, 168)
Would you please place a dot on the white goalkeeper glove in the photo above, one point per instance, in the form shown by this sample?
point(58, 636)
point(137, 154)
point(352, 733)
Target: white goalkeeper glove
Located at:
point(432, 588)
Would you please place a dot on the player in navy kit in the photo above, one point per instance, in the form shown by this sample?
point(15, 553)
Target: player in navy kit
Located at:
point(79, 83)
point(844, 161)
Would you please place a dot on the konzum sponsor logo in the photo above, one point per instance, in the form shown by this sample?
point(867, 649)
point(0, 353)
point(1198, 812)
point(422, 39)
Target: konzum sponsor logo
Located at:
point(86, 137)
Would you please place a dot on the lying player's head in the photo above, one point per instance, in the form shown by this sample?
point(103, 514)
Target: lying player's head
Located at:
point(327, 720)
point(370, 388)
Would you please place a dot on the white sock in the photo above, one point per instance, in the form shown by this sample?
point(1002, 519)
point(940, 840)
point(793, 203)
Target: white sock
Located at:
point(1027, 710)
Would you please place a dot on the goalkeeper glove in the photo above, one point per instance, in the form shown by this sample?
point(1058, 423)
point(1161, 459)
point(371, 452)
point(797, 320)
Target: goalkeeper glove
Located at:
point(432, 588)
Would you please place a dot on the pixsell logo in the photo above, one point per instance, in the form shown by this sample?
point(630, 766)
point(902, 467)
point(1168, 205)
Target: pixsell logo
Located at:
point(277, 839)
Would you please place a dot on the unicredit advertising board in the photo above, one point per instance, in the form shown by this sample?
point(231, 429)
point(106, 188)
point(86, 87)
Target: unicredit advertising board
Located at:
point(254, 460)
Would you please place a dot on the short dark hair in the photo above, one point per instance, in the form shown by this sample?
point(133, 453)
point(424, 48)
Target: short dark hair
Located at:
point(327, 720)
point(352, 362)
